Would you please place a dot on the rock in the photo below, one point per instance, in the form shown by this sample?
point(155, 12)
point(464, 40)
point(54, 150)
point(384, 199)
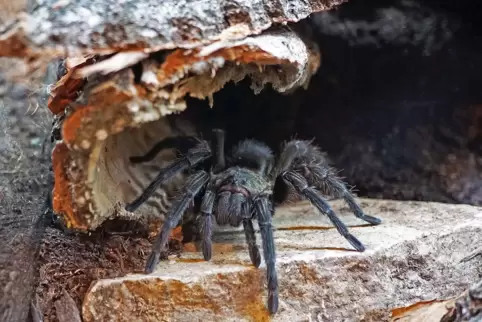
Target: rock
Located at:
point(66, 309)
point(413, 256)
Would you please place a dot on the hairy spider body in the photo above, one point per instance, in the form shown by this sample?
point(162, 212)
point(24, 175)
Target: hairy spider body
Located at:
point(245, 186)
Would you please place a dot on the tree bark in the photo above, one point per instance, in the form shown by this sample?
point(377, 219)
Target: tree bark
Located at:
point(74, 27)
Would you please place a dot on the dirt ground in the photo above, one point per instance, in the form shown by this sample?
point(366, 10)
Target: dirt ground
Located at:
point(73, 262)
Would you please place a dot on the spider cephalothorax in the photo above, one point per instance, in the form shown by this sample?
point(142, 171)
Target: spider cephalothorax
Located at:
point(241, 187)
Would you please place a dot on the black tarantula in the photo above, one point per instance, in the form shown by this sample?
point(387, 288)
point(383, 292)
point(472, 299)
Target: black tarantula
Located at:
point(245, 186)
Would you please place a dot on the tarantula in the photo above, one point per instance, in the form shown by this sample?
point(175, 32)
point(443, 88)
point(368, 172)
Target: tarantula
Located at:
point(244, 186)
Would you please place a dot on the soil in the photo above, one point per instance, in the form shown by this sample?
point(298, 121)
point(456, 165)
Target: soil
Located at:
point(72, 262)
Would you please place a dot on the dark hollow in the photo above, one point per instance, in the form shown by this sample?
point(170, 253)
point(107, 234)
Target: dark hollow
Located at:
point(396, 103)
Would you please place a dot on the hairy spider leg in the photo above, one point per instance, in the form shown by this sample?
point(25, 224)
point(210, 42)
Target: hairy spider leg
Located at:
point(292, 151)
point(181, 143)
point(264, 212)
point(218, 150)
point(251, 241)
point(250, 236)
point(222, 208)
point(235, 211)
point(297, 149)
point(230, 208)
point(336, 184)
point(301, 185)
point(207, 207)
point(193, 157)
point(194, 185)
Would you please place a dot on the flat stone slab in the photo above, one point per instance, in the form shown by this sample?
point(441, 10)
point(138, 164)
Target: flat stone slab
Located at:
point(414, 255)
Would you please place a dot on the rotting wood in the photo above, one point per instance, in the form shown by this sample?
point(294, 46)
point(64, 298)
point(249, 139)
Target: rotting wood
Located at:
point(102, 103)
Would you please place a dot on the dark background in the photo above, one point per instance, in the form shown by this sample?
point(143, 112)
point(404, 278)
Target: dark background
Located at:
point(396, 102)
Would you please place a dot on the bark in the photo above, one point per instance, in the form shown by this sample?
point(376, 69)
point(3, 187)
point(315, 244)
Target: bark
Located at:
point(57, 27)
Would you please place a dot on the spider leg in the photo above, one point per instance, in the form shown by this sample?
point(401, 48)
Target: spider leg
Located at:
point(251, 238)
point(218, 149)
point(222, 210)
point(194, 185)
point(236, 202)
point(194, 156)
point(335, 184)
point(207, 223)
point(292, 150)
point(182, 143)
point(263, 212)
point(301, 185)
point(250, 235)
point(302, 150)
